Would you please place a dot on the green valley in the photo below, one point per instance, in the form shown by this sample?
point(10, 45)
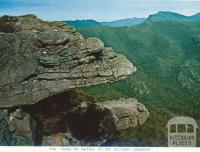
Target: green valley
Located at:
point(167, 56)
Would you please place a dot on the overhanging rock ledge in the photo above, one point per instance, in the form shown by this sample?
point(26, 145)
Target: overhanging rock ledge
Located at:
point(39, 59)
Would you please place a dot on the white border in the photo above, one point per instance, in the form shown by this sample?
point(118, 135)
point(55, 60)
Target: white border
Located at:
point(98, 149)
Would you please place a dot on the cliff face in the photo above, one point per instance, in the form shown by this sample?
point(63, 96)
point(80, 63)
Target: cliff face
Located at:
point(41, 63)
point(40, 59)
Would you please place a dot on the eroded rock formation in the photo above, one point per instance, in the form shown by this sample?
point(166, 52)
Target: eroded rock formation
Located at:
point(39, 59)
point(41, 63)
point(125, 113)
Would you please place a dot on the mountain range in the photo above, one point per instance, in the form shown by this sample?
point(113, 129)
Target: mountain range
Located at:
point(172, 16)
point(124, 22)
point(80, 24)
point(166, 51)
point(160, 16)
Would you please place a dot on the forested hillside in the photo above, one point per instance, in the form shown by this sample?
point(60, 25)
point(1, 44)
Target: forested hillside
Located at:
point(167, 56)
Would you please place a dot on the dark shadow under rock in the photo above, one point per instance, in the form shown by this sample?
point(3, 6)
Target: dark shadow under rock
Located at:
point(66, 112)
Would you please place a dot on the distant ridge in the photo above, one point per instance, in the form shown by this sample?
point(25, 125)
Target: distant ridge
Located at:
point(165, 15)
point(124, 22)
point(81, 24)
point(160, 16)
point(196, 16)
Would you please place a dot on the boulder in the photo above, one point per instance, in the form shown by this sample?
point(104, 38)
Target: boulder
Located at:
point(17, 128)
point(123, 113)
point(22, 127)
point(39, 59)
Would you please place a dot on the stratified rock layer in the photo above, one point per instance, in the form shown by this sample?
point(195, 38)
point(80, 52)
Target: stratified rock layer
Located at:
point(39, 59)
point(41, 65)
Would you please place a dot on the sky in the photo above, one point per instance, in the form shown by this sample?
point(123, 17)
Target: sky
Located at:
point(100, 10)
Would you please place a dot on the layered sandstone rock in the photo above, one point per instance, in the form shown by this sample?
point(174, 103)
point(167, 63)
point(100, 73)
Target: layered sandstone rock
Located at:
point(41, 65)
point(39, 59)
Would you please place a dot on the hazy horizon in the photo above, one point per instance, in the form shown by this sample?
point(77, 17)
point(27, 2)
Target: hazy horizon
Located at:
point(130, 17)
point(104, 10)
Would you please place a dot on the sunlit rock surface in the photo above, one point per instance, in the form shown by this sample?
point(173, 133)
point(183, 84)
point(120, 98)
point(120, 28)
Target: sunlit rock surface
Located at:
point(41, 66)
point(39, 59)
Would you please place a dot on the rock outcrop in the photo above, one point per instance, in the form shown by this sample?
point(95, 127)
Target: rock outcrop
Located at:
point(17, 128)
point(41, 65)
point(39, 59)
point(69, 119)
point(125, 113)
